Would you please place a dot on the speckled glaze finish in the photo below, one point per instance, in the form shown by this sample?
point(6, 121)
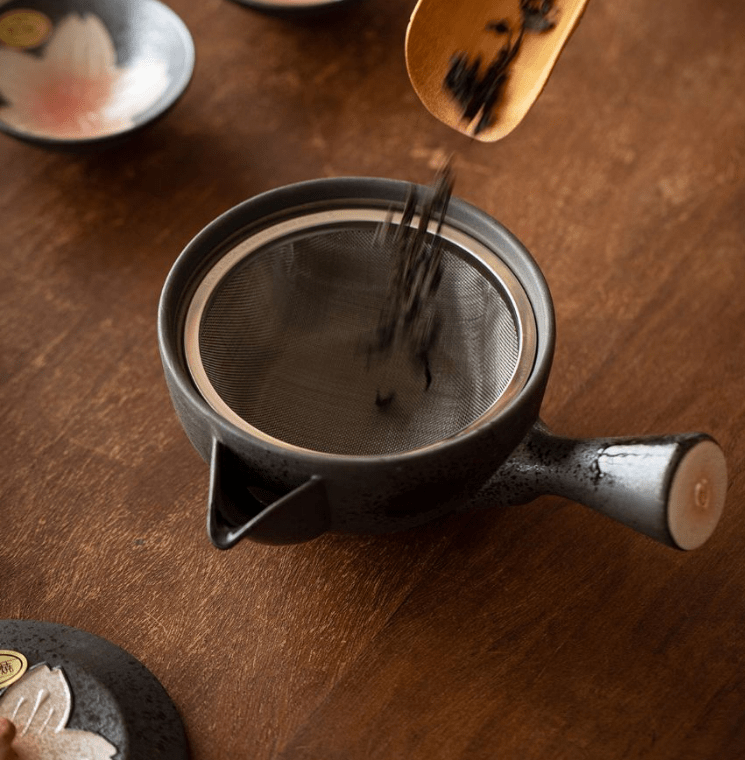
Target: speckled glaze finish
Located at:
point(626, 478)
point(114, 695)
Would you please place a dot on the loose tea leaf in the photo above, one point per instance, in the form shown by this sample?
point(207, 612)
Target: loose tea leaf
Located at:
point(478, 92)
point(536, 15)
point(409, 316)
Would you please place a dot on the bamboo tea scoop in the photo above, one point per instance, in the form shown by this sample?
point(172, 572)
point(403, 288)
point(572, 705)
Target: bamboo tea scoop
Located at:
point(521, 39)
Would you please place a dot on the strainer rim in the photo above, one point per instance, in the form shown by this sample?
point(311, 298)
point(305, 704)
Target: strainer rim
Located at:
point(338, 216)
point(315, 193)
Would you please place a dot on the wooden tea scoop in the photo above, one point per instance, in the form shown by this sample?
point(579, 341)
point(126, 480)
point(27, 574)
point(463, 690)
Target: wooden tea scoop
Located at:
point(520, 39)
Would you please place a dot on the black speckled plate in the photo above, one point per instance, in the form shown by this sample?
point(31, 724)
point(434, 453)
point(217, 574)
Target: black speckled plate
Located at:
point(113, 694)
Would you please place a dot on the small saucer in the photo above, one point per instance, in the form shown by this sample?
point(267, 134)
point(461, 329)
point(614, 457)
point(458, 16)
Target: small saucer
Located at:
point(112, 700)
point(294, 7)
point(74, 73)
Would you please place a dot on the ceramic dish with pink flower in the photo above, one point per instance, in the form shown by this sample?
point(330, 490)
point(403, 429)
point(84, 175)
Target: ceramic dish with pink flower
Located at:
point(78, 72)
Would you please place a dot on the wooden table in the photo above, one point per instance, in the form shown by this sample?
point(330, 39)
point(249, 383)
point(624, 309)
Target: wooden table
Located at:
point(544, 631)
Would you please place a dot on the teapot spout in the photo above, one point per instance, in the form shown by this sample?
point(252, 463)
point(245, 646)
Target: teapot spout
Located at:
point(235, 511)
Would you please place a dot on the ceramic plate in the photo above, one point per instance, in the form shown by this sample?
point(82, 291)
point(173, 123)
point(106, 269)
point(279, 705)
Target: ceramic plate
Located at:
point(71, 694)
point(76, 72)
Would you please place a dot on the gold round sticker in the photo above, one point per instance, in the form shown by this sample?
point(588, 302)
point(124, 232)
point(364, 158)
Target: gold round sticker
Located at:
point(12, 666)
point(24, 28)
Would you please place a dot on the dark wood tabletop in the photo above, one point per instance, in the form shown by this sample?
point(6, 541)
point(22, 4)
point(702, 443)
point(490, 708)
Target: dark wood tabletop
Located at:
point(544, 631)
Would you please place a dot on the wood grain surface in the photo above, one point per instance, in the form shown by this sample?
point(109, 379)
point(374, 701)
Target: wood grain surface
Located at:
point(538, 632)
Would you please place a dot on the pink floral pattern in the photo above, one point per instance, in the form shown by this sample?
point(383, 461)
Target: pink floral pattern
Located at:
point(76, 89)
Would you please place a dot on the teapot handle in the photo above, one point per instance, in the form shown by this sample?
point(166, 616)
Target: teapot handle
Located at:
point(671, 488)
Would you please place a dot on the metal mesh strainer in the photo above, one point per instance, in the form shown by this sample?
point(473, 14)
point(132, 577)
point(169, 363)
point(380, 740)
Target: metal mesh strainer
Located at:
point(278, 335)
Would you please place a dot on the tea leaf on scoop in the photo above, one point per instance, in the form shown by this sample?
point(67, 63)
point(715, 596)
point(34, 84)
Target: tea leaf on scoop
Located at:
point(477, 92)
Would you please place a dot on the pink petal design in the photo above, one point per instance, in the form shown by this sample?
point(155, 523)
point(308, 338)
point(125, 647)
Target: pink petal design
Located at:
point(20, 75)
point(67, 744)
point(136, 89)
point(62, 105)
point(39, 700)
point(81, 45)
point(39, 704)
point(75, 90)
